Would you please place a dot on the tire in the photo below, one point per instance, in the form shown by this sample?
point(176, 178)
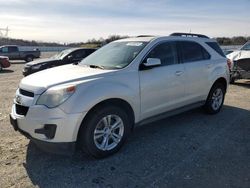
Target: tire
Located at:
point(1, 67)
point(215, 99)
point(29, 58)
point(232, 80)
point(97, 128)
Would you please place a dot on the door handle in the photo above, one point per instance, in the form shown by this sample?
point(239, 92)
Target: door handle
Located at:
point(178, 73)
point(209, 65)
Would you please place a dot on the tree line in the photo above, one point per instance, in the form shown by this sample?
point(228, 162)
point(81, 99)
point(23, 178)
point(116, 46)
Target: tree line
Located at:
point(224, 41)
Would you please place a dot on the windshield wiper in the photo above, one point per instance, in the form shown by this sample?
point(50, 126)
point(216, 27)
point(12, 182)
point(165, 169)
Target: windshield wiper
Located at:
point(96, 67)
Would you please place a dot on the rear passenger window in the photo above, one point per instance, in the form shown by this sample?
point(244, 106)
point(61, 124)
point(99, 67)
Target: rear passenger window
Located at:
point(166, 52)
point(192, 51)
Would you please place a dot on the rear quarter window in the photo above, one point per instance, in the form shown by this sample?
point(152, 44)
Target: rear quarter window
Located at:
point(216, 47)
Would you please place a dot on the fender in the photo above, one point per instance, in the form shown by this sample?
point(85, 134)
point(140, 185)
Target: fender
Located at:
point(221, 71)
point(102, 89)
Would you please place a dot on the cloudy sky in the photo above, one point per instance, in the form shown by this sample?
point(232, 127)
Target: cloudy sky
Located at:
point(79, 20)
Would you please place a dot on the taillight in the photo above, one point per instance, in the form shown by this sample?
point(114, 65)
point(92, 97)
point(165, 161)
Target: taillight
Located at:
point(229, 64)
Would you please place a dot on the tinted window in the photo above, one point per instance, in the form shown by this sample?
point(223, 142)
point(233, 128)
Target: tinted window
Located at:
point(192, 51)
point(216, 47)
point(13, 49)
point(166, 52)
point(79, 54)
point(90, 51)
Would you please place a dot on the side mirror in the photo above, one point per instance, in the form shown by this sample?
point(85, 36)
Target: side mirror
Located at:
point(150, 63)
point(70, 58)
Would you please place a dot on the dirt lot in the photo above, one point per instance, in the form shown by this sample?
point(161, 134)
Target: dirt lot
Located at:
point(188, 150)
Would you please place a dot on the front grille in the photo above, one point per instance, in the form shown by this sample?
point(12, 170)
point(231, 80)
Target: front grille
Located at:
point(26, 93)
point(21, 110)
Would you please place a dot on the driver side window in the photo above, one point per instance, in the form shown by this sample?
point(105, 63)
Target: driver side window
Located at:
point(166, 52)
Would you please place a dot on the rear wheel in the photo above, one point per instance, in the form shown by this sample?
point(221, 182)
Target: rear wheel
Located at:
point(1, 67)
point(29, 58)
point(104, 131)
point(215, 99)
point(232, 80)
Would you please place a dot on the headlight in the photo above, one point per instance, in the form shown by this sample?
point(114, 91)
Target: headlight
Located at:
point(55, 96)
point(35, 67)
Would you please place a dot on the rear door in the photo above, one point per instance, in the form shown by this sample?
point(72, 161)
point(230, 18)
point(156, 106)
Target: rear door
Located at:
point(198, 66)
point(162, 87)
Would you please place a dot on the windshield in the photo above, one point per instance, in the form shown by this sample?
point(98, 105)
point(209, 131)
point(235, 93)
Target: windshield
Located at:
point(62, 54)
point(115, 55)
point(246, 46)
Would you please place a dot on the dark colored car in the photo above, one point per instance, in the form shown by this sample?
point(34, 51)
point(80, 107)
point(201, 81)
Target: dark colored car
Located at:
point(72, 55)
point(4, 62)
point(14, 53)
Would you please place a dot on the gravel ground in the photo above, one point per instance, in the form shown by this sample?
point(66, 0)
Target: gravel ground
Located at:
point(188, 150)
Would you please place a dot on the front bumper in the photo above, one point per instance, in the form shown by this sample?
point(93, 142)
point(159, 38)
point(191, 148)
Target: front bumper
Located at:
point(33, 126)
point(65, 148)
point(27, 71)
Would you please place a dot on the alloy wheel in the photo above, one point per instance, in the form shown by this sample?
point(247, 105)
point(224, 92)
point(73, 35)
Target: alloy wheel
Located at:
point(108, 132)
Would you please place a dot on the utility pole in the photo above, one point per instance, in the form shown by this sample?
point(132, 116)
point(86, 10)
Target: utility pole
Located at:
point(4, 32)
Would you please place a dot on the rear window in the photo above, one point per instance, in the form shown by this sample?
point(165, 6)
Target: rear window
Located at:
point(216, 47)
point(192, 51)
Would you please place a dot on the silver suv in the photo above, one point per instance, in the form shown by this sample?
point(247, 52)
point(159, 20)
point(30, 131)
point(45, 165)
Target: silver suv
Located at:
point(97, 102)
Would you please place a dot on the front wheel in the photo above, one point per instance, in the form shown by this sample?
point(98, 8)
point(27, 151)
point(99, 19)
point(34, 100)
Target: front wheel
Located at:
point(104, 131)
point(215, 99)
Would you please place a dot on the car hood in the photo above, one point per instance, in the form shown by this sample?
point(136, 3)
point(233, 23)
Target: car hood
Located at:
point(239, 54)
point(41, 81)
point(41, 61)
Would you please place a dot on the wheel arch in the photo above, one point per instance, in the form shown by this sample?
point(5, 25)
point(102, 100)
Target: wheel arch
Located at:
point(112, 101)
point(221, 80)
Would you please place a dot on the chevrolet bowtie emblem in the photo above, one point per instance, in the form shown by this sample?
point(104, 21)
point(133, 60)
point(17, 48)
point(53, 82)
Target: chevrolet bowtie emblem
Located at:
point(18, 99)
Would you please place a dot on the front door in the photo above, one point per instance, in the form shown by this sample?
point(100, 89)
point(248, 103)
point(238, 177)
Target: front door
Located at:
point(162, 87)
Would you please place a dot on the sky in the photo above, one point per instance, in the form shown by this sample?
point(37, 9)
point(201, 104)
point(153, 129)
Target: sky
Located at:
point(80, 20)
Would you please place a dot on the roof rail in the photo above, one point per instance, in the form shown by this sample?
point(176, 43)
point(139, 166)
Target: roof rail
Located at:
point(189, 35)
point(145, 36)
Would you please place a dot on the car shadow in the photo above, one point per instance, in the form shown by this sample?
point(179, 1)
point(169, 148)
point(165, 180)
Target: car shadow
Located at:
point(244, 83)
point(18, 62)
point(151, 151)
point(6, 71)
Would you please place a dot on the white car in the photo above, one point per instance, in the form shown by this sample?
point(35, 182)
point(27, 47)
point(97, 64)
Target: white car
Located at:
point(96, 103)
point(240, 68)
point(242, 53)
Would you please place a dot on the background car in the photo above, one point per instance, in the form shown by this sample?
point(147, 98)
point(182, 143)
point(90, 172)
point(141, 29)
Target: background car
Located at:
point(4, 62)
point(14, 53)
point(72, 55)
point(227, 52)
point(240, 63)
